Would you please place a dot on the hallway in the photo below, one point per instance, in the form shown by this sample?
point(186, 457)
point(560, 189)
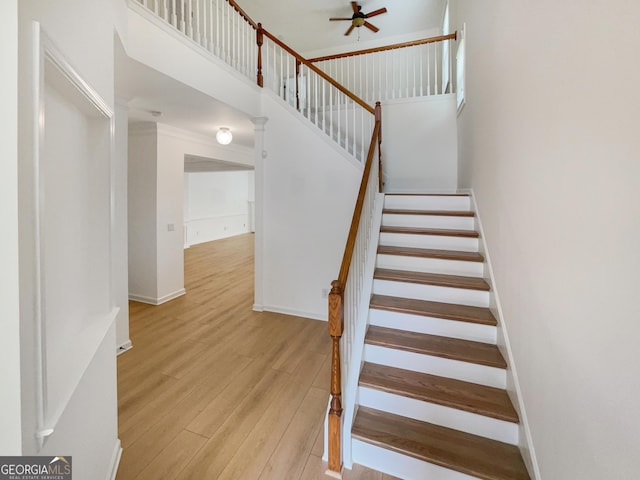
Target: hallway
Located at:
point(214, 390)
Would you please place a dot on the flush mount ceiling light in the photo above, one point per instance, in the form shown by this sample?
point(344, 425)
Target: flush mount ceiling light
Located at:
point(224, 136)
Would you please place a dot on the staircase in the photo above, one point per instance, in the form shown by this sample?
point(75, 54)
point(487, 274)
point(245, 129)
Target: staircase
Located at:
point(431, 401)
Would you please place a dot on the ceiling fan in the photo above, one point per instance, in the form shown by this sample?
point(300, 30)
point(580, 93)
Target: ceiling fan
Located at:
point(358, 19)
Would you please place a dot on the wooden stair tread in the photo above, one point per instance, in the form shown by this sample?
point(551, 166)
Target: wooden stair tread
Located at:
point(447, 311)
point(470, 454)
point(430, 231)
point(431, 253)
point(444, 347)
point(471, 397)
point(439, 213)
point(437, 279)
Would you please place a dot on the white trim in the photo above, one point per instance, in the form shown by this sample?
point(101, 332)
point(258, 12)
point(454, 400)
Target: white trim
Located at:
point(526, 448)
point(124, 347)
point(115, 461)
point(156, 301)
point(293, 312)
point(44, 50)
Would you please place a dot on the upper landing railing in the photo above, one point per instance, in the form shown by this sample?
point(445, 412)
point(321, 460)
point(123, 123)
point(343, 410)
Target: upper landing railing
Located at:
point(224, 29)
point(335, 93)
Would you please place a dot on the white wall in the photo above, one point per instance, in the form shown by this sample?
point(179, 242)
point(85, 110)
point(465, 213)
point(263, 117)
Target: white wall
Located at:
point(156, 205)
point(169, 219)
point(142, 208)
point(419, 145)
point(65, 23)
point(10, 410)
point(217, 205)
point(549, 143)
point(169, 52)
point(309, 193)
point(120, 266)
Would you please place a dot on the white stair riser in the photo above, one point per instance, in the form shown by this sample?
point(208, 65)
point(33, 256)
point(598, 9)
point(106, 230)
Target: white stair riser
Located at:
point(461, 420)
point(460, 296)
point(440, 242)
point(399, 465)
point(433, 326)
point(427, 202)
point(442, 367)
point(428, 221)
point(430, 265)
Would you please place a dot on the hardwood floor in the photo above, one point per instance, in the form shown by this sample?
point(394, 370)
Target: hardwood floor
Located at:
point(214, 390)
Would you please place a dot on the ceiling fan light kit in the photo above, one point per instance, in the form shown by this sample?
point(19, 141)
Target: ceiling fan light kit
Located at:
point(359, 19)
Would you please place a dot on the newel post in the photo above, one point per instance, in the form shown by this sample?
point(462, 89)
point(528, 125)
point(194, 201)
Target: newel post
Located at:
point(260, 41)
point(336, 325)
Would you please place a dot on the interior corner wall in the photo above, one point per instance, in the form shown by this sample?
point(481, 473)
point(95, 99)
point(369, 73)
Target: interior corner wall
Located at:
point(10, 433)
point(120, 260)
point(310, 190)
point(83, 33)
point(169, 216)
point(142, 212)
point(549, 143)
point(419, 147)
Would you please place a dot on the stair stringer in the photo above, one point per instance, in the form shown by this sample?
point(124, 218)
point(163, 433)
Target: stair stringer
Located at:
point(513, 385)
point(350, 386)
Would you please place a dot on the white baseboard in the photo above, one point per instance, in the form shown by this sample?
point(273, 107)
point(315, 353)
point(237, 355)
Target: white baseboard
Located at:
point(115, 461)
point(156, 301)
point(124, 347)
point(258, 308)
point(526, 447)
point(291, 311)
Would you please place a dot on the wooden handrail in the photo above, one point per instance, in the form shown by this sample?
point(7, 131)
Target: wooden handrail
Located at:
point(336, 309)
point(355, 221)
point(319, 72)
point(441, 38)
point(243, 14)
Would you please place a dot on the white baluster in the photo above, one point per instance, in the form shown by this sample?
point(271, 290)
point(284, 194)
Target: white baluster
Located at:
point(450, 51)
point(174, 16)
point(217, 49)
point(428, 69)
point(435, 68)
point(421, 72)
point(189, 19)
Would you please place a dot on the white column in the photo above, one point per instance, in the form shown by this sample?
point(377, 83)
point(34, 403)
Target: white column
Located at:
point(260, 159)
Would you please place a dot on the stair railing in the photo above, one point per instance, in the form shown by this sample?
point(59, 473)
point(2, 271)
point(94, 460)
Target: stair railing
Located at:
point(403, 70)
point(224, 29)
point(342, 115)
point(347, 292)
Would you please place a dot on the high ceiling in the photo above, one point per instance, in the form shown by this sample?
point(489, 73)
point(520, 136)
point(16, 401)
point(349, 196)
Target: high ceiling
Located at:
point(305, 26)
point(302, 24)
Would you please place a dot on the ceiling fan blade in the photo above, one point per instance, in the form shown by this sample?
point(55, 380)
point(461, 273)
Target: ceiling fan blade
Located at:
point(354, 5)
point(375, 12)
point(349, 31)
point(371, 27)
point(336, 19)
